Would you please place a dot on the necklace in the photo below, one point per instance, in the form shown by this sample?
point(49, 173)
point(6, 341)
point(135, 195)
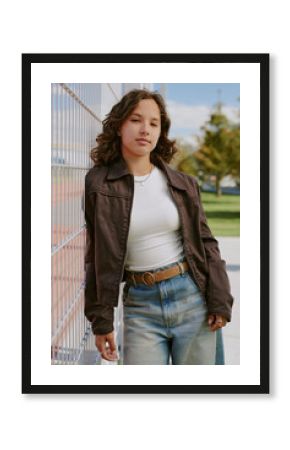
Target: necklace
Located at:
point(143, 181)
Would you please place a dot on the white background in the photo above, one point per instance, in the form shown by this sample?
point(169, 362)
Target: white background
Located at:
point(107, 421)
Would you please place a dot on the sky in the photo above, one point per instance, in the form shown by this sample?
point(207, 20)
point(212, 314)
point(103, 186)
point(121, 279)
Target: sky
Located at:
point(189, 105)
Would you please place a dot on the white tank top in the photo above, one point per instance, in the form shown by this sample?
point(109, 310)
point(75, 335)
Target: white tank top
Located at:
point(154, 238)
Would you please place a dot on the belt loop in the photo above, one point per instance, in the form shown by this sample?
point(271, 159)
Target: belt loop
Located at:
point(133, 278)
point(181, 268)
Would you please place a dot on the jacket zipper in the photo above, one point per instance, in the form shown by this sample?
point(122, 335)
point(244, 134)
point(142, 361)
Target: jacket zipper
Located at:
point(184, 246)
point(127, 233)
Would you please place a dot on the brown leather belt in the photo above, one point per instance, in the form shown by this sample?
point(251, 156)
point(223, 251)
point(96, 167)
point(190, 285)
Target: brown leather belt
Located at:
point(149, 278)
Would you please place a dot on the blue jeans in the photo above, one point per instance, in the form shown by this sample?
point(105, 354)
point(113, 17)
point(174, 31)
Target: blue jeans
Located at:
point(167, 324)
point(220, 354)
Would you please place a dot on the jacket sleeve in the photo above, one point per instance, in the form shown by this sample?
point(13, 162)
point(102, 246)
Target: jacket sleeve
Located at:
point(101, 316)
point(219, 298)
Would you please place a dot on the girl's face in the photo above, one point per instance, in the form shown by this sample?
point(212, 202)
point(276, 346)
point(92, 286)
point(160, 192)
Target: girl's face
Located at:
point(141, 130)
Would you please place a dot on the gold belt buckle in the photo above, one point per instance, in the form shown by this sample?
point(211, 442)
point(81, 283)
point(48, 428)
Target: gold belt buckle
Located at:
point(149, 281)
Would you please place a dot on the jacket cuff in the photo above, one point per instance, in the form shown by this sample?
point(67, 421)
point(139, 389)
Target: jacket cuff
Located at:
point(103, 320)
point(102, 329)
point(221, 312)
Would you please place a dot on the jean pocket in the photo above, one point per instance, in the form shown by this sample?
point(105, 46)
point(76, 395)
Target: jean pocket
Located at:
point(126, 290)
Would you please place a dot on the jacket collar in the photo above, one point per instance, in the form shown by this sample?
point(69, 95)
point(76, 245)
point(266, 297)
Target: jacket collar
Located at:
point(118, 169)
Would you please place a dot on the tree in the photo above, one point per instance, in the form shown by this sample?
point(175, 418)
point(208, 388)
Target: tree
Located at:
point(219, 151)
point(188, 165)
point(183, 159)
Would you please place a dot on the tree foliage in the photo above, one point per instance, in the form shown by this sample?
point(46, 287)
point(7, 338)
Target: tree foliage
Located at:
point(189, 165)
point(219, 151)
point(184, 160)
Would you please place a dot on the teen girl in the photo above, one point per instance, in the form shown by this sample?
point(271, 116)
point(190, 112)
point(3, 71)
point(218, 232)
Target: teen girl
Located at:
point(146, 227)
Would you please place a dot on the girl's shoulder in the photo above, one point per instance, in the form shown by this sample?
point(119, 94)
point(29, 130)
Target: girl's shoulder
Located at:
point(181, 179)
point(95, 175)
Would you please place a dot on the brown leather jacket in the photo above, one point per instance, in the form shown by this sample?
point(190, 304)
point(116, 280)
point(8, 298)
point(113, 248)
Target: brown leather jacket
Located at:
point(109, 194)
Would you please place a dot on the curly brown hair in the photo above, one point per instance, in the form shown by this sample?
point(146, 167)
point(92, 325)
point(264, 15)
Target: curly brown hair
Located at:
point(109, 143)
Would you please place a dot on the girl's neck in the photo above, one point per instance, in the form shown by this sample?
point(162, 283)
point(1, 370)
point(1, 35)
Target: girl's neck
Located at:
point(139, 166)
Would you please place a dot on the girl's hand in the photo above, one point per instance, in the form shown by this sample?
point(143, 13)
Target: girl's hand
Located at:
point(216, 321)
point(106, 345)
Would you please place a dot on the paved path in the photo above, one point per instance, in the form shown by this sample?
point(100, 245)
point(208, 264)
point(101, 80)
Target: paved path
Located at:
point(230, 251)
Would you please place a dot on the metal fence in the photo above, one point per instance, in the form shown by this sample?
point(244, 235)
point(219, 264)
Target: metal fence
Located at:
point(75, 124)
point(76, 118)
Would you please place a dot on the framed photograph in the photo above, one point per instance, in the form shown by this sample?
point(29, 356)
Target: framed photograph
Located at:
point(218, 109)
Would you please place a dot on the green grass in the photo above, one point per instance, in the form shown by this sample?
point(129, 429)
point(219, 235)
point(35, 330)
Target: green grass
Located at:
point(223, 213)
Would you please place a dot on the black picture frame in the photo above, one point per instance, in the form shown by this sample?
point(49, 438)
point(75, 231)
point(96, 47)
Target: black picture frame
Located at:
point(245, 58)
